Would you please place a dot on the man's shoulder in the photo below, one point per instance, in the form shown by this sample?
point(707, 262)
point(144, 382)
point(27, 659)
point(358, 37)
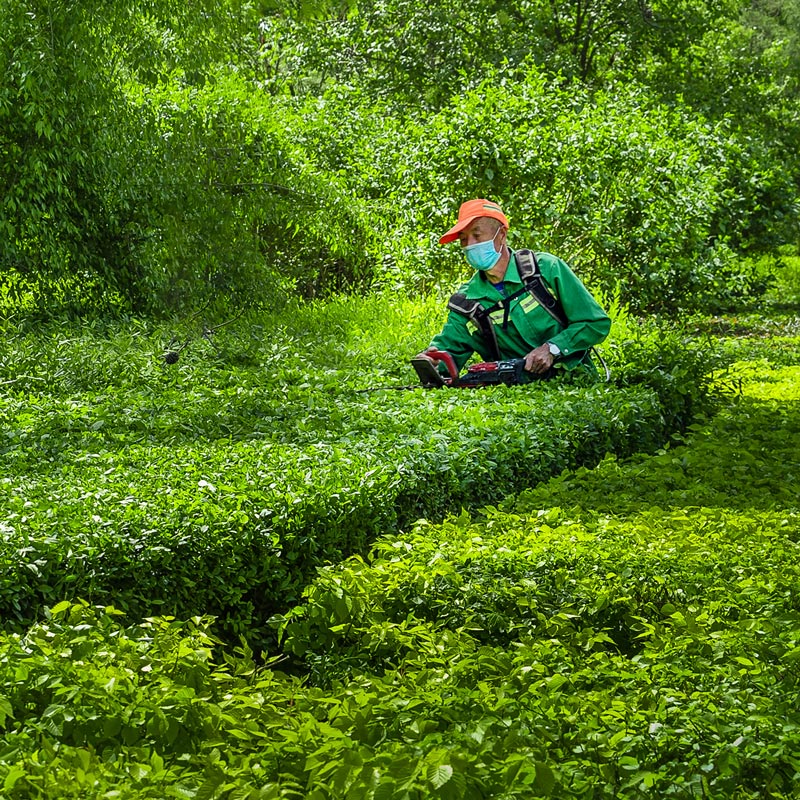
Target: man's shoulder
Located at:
point(547, 260)
point(550, 265)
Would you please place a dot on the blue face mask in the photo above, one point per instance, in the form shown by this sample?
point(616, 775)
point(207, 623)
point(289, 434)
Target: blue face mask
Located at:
point(482, 255)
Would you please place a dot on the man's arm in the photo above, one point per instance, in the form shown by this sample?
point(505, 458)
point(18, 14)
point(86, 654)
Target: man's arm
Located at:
point(589, 323)
point(455, 338)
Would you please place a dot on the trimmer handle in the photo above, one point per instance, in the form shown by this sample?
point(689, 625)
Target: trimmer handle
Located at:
point(429, 376)
point(441, 355)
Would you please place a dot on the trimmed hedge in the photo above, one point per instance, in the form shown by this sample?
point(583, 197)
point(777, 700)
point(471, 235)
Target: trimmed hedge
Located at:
point(624, 632)
point(221, 483)
point(238, 528)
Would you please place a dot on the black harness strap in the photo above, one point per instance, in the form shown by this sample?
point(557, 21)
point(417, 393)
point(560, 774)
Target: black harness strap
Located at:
point(474, 311)
point(528, 268)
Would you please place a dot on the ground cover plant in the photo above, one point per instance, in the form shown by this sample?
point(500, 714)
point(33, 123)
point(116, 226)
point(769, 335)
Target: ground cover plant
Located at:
point(625, 631)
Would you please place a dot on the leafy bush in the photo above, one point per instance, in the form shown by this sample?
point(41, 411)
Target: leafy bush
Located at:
point(612, 633)
point(223, 481)
point(633, 194)
point(238, 527)
point(613, 607)
point(144, 177)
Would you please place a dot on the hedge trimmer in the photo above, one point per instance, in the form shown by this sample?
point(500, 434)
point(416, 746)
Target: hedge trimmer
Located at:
point(486, 373)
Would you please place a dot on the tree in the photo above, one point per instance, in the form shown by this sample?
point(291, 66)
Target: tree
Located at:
point(140, 171)
point(53, 133)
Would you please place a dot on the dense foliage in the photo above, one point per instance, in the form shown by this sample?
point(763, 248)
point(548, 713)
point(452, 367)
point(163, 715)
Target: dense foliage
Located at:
point(222, 481)
point(615, 632)
point(232, 565)
point(137, 171)
point(158, 157)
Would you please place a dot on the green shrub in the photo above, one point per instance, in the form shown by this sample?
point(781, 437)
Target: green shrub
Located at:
point(223, 481)
point(612, 633)
point(651, 199)
point(143, 177)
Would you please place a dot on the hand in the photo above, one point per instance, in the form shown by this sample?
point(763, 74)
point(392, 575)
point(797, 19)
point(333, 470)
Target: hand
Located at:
point(426, 355)
point(539, 360)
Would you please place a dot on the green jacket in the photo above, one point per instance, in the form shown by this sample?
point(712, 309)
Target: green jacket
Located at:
point(530, 325)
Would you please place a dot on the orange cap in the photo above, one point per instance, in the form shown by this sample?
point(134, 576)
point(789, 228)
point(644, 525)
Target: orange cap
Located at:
point(469, 212)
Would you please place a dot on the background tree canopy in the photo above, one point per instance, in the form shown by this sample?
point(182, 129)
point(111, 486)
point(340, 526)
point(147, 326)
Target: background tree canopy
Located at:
point(159, 158)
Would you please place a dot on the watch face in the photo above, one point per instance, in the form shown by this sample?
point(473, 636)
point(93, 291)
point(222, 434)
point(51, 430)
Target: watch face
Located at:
point(554, 351)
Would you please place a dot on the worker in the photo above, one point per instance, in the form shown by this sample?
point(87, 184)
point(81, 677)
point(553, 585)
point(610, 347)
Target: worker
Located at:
point(518, 304)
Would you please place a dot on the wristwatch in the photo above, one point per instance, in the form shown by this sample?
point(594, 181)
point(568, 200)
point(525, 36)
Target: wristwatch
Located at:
point(555, 350)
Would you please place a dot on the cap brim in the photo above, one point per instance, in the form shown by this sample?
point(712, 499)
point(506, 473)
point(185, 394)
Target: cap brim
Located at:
point(452, 234)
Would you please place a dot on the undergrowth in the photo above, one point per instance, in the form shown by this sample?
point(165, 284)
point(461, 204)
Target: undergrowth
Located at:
point(627, 631)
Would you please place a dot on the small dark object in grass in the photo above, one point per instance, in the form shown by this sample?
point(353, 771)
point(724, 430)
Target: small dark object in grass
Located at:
point(171, 356)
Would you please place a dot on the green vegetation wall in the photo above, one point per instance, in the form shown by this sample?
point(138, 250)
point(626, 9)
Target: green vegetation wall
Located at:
point(628, 192)
point(139, 172)
point(160, 158)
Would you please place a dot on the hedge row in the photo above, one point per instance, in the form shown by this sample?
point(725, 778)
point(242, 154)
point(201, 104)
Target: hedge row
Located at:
point(626, 632)
point(220, 483)
point(236, 529)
